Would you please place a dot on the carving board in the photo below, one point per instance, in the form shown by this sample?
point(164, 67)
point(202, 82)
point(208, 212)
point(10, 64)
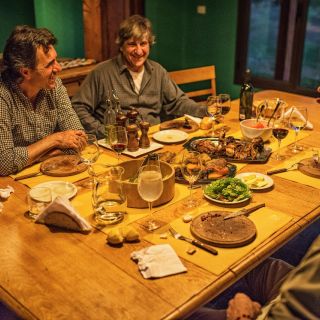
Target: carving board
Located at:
point(180, 124)
point(309, 167)
point(210, 227)
point(62, 166)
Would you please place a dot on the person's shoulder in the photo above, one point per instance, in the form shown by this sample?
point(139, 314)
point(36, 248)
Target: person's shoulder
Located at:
point(5, 87)
point(104, 65)
point(156, 67)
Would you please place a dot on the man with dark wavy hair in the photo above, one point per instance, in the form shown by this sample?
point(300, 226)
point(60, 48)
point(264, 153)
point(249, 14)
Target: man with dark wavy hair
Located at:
point(138, 81)
point(36, 117)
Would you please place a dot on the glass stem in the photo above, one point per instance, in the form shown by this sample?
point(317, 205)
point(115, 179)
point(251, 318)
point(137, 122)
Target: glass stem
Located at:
point(150, 211)
point(191, 185)
point(295, 138)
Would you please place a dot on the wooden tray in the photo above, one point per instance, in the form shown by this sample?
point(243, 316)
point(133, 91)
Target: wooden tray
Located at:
point(308, 167)
point(179, 124)
point(210, 227)
point(62, 166)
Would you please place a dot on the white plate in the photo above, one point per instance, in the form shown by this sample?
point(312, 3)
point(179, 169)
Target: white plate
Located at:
point(225, 202)
point(134, 154)
point(60, 188)
point(170, 136)
point(258, 175)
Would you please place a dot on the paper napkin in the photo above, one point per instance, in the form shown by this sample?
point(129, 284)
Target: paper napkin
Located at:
point(5, 192)
point(158, 261)
point(60, 213)
point(297, 112)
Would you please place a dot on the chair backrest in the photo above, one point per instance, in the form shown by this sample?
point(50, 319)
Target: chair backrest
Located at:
point(194, 75)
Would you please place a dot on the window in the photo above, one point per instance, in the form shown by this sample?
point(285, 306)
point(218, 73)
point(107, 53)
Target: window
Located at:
point(279, 41)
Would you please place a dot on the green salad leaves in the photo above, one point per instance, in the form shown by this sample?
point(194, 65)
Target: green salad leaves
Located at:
point(228, 190)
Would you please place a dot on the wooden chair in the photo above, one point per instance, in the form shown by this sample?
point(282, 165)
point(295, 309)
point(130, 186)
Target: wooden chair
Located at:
point(194, 75)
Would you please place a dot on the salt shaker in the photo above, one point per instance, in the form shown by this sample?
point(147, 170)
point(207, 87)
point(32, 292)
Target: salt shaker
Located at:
point(144, 142)
point(133, 142)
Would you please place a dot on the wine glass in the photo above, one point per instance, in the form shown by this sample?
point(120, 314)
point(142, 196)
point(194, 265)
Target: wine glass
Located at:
point(297, 121)
point(150, 188)
point(279, 130)
point(213, 107)
point(225, 105)
point(191, 168)
point(118, 140)
point(90, 154)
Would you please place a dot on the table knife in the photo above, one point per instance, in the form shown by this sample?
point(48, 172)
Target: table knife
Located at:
point(244, 211)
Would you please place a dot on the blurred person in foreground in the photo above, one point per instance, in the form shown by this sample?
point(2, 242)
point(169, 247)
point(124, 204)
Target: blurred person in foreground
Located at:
point(138, 81)
point(36, 116)
point(275, 290)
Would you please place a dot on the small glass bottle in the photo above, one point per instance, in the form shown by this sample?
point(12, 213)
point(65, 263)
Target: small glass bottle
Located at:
point(109, 119)
point(246, 97)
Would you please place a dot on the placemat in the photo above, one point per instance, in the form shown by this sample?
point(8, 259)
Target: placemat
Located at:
point(296, 175)
point(31, 182)
point(83, 204)
point(267, 222)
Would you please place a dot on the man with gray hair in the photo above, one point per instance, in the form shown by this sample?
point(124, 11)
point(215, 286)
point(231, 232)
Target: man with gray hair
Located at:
point(138, 81)
point(36, 117)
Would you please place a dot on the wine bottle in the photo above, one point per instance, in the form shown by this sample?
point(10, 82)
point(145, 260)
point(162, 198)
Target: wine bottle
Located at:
point(109, 119)
point(246, 97)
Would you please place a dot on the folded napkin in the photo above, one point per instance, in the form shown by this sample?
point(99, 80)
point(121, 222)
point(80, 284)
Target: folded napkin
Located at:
point(60, 213)
point(5, 192)
point(195, 119)
point(158, 261)
point(297, 112)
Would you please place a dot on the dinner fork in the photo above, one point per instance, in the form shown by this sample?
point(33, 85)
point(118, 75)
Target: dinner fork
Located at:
point(195, 242)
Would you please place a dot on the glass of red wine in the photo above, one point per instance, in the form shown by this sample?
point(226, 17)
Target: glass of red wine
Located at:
point(225, 105)
point(118, 140)
point(279, 130)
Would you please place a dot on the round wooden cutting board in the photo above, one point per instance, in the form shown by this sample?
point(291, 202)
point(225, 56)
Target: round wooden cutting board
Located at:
point(210, 227)
point(180, 124)
point(308, 167)
point(62, 166)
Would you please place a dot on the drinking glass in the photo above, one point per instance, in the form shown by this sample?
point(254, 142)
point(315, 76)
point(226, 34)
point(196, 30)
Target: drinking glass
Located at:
point(225, 105)
point(150, 188)
point(297, 121)
point(191, 168)
point(118, 140)
point(108, 197)
point(279, 129)
point(38, 199)
point(90, 154)
point(214, 107)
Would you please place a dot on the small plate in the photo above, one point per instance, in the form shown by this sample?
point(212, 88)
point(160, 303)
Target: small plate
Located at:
point(60, 188)
point(258, 175)
point(225, 202)
point(170, 136)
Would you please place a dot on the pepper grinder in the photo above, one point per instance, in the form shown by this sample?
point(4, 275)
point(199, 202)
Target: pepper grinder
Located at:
point(144, 141)
point(133, 142)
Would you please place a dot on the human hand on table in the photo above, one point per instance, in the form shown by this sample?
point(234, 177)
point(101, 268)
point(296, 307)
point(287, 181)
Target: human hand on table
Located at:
point(70, 139)
point(241, 307)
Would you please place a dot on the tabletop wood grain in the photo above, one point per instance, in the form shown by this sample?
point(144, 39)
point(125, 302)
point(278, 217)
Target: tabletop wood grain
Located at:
point(50, 274)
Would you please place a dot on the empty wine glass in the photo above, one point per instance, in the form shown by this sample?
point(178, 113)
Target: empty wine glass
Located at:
point(191, 168)
point(118, 140)
point(279, 129)
point(150, 188)
point(213, 107)
point(297, 121)
point(90, 154)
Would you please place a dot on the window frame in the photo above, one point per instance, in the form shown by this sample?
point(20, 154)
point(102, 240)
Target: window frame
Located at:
point(295, 51)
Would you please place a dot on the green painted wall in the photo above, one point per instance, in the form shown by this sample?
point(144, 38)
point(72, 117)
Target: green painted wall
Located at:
point(12, 13)
point(187, 39)
point(64, 19)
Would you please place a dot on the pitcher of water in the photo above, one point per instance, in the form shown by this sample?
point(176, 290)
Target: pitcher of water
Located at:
point(108, 197)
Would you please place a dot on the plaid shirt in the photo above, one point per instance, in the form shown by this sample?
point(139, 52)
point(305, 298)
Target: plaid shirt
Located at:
point(159, 96)
point(21, 124)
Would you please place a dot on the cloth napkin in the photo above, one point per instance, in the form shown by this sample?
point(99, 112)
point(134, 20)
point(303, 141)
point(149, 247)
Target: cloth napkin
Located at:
point(60, 213)
point(158, 261)
point(297, 112)
point(5, 192)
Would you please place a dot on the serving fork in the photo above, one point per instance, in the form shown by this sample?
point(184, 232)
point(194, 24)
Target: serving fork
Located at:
point(195, 242)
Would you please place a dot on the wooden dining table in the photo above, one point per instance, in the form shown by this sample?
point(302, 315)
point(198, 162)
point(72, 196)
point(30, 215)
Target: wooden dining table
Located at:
point(49, 273)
